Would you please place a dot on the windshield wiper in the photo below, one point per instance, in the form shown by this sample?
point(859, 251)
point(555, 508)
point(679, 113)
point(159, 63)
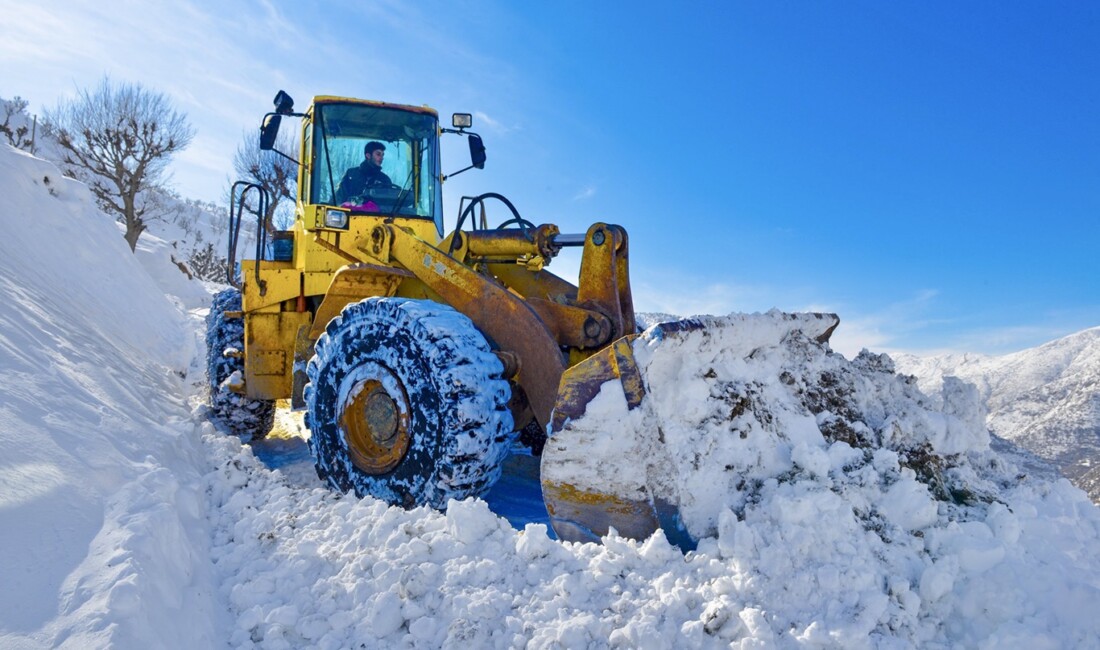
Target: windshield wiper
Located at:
point(405, 187)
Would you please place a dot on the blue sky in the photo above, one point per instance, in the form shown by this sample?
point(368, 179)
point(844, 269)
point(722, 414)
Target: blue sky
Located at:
point(928, 170)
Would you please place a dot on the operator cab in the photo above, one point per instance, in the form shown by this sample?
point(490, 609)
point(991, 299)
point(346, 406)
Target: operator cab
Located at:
point(336, 133)
point(336, 139)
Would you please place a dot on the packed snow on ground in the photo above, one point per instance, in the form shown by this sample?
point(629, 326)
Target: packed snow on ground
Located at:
point(837, 505)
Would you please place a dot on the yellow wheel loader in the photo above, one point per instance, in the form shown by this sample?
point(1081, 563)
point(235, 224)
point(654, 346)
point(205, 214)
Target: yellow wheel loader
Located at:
point(420, 357)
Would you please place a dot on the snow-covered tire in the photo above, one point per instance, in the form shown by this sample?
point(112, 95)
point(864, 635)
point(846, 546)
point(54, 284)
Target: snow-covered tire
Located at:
point(239, 414)
point(405, 403)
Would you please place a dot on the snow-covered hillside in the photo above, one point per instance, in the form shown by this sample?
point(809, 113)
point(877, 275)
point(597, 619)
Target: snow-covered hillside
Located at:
point(1046, 399)
point(866, 513)
point(101, 497)
point(192, 235)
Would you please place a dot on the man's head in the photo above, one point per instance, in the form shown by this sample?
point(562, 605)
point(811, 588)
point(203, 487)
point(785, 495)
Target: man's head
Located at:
point(375, 151)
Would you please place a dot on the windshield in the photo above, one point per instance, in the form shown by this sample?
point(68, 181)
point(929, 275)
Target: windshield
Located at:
point(376, 160)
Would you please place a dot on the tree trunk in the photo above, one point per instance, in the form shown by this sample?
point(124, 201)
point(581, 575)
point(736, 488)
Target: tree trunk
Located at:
point(133, 231)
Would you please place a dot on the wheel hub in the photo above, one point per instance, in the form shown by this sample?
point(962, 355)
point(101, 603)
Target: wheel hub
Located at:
point(375, 427)
point(380, 413)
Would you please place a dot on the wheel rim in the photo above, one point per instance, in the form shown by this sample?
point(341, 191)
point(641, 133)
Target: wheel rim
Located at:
point(374, 420)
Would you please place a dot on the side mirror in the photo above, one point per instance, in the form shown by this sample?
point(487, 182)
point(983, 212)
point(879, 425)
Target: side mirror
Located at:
point(477, 151)
point(269, 130)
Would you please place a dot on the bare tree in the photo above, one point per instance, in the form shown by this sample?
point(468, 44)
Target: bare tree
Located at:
point(17, 132)
point(205, 263)
point(270, 171)
point(118, 139)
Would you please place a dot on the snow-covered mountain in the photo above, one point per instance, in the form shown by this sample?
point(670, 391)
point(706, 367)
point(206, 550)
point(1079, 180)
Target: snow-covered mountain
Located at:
point(1045, 399)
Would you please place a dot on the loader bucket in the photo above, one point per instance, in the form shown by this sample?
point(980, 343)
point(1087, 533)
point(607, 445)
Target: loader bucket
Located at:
point(594, 480)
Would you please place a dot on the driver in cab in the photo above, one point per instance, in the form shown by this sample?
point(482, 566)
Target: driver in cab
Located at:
point(358, 179)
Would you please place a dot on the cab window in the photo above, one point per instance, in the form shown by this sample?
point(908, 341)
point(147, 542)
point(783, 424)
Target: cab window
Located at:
point(409, 184)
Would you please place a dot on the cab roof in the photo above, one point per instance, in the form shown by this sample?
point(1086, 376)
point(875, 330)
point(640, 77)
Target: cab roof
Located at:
point(331, 99)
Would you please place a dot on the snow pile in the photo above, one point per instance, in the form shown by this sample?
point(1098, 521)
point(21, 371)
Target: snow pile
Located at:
point(104, 534)
point(847, 488)
point(744, 399)
point(856, 506)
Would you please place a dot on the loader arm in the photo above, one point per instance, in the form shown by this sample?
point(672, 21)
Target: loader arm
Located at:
point(509, 322)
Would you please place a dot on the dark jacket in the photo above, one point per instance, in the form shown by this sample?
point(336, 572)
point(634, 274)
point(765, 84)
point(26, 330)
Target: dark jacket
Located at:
point(357, 179)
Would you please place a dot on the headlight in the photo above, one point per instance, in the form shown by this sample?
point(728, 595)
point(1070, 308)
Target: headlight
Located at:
point(336, 219)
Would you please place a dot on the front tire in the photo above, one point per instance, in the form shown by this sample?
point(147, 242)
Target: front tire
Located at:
point(405, 403)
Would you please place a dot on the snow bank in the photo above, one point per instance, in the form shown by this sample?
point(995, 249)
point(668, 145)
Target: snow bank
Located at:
point(160, 260)
point(104, 535)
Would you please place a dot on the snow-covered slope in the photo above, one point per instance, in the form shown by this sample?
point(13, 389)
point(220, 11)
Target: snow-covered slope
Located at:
point(185, 233)
point(1046, 399)
point(104, 539)
point(129, 522)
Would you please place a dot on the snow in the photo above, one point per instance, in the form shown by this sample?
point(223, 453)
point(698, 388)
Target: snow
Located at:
point(129, 521)
point(102, 512)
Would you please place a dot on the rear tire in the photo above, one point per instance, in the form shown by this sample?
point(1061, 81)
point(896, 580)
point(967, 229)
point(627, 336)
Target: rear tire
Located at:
point(405, 403)
point(237, 413)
